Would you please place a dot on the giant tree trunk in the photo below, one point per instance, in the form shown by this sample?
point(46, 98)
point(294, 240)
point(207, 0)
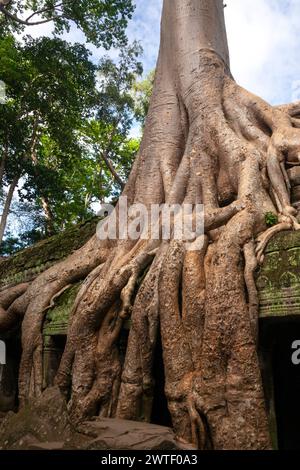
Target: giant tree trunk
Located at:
point(206, 141)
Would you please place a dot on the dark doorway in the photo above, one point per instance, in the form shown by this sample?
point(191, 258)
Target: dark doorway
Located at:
point(160, 413)
point(281, 379)
point(9, 374)
point(286, 379)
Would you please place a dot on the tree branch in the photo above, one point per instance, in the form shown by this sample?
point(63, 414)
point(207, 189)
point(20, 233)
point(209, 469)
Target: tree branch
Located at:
point(25, 22)
point(293, 109)
point(112, 169)
point(44, 10)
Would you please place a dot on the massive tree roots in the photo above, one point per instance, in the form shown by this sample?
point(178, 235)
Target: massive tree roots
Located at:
point(206, 141)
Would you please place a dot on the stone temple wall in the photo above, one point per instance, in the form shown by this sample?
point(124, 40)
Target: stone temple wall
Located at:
point(278, 283)
point(278, 280)
point(24, 266)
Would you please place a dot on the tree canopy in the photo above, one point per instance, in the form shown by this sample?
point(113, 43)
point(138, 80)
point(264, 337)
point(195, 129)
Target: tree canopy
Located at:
point(142, 93)
point(65, 131)
point(103, 23)
point(66, 122)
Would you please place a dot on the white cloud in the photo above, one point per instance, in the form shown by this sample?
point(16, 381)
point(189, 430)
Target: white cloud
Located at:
point(145, 28)
point(263, 40)
point(262, 36)
point(264, 51)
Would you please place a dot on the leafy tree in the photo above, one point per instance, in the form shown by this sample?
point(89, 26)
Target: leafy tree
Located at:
point(50, 88)
point(102, 22)
point(64, 140)
point(142, 91)
point(113, 155)
point(116, 79)
point(107, 135)
point(25, 227)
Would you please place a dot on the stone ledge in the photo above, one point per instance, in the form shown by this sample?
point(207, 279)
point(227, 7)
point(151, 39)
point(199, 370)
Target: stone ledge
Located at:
point(25, 265)
point(44, 424)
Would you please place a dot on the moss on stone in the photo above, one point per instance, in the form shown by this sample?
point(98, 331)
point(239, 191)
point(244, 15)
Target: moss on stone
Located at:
point(284, 241)
point(28, 263)
point(57, 318)
point(278, 280)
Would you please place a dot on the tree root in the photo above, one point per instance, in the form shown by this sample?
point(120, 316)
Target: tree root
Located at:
point(9, 319)
point(264, 239)
point(253, 300)
point(207, 141)
point(97, 362)
point(137, 383)
point(35, 300)
point(56, 296)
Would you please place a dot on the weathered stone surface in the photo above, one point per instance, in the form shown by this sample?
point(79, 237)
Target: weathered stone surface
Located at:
point(42, 420)
point(130, 435)
point(44, 425)
point(278, 280)
point(57, 317)
point(27, 264)
point(294, 175)
point(47, 446)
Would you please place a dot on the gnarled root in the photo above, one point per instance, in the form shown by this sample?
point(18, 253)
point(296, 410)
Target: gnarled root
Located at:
point(230, 386)
point(103, 394)
point(137, 384)
point(206, 141)
point(265, 237)
point(253, 300)
point(9, 318)
point(96, 361)
point(35, 300)
point(186, 404)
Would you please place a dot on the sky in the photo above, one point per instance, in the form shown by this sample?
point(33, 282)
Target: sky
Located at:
point(264, 42)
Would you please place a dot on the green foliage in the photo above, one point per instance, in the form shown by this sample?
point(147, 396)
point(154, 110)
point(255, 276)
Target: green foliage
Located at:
point(103, 22)
point(142, 91)
point(12, 244)
point(102, 138)
point(106, 137)
point(49, 85)
point(116, 79)
point(271, 219)
point(63, 120)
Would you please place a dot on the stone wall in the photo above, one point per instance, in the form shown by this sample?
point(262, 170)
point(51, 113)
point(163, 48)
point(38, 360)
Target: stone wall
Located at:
point(278, 282)
point(25, 266)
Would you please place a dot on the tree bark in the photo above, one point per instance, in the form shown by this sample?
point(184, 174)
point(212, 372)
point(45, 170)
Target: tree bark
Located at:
point(3, 163)
point(49, 225)
point(112, 169)
point(7, 204)
point(206, 141)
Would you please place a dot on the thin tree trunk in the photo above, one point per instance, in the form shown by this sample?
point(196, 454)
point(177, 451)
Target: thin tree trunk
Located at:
point(112, 169)
point(2, 164)
point(7, 205)
point(49, 226)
